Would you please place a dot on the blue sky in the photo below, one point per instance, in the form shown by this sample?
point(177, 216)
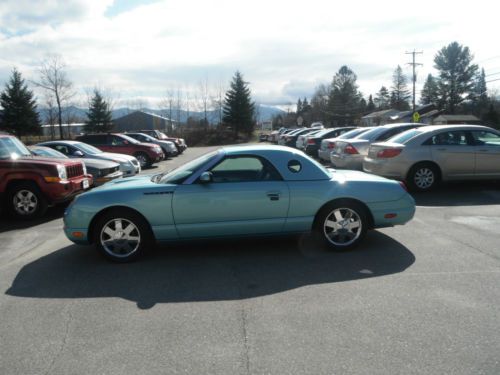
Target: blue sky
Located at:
point(147, 50)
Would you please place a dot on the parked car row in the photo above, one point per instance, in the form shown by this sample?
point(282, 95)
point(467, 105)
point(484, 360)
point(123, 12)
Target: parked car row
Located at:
point(34, 178)
point(418, 154)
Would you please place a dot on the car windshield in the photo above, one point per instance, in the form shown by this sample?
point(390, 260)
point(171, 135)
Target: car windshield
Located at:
point(184, 171)
point(404, 137)
point(12, 148)
point(48, 152)
point(130, 139)
point(148, 137)
point(88, 149)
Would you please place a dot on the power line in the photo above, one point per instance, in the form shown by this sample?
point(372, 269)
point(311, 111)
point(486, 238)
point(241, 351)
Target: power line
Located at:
point(414, 64)
point(493, 80)
point(492, 74)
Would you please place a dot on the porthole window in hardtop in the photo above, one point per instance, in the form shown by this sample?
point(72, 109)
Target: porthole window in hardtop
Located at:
point(294, 166)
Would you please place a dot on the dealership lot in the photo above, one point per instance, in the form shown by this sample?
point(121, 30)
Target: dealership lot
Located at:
point(421, 298)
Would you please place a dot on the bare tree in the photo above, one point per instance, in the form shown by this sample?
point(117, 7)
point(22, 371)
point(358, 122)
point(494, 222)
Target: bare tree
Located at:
point(51, 116)
point(218, 100)
point(166, 105)
point(53, 78)
point(204, 99)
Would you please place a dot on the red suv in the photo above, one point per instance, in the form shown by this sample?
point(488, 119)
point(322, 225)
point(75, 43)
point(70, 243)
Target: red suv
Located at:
point(29, 184)
point(146, 153)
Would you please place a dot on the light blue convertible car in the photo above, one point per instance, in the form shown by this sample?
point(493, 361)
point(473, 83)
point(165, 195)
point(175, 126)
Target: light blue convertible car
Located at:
point(236, 191)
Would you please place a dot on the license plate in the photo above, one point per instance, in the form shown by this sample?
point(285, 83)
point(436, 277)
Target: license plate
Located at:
point(85, 184)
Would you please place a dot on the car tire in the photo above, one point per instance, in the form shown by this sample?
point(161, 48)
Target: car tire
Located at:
point(341, 225)
point(423, 177)
point(25, 201)
point(144, 159)
point(122, 235)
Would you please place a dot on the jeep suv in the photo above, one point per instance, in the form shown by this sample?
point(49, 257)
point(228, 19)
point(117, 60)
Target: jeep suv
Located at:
point(29, 184)
point(146, 153)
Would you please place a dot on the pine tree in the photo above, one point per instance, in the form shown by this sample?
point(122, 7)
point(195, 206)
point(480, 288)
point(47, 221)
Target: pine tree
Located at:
point(370, 107)
point(20, 114)
point(299, 106)
point(99, 115)
point(480, 99)
point(400, 90)
point(430, 92)
point(382, 99)
point(456, 75)
point(238, 107)
point(344, 97)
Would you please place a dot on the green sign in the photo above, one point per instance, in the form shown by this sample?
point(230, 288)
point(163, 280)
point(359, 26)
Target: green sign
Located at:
point(416, 117)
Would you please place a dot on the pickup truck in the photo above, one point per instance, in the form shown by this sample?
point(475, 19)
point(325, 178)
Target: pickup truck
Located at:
point(29, 184)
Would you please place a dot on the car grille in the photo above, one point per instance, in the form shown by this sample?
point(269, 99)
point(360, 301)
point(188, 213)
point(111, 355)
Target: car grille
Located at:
point(106, 171)
point(74, 170)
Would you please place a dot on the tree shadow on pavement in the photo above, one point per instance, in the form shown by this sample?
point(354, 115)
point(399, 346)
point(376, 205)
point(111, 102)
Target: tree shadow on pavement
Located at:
point(469, 193)
point(217, 271)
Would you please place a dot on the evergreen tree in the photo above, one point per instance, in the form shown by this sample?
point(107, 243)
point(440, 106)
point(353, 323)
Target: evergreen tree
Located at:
point(344, 97)
point(305, 104)
point(299, 106)
point(20, 114)
point(370, 107)
point(382, 99)
point(456, 75)
point(99, 115)
point(400, 90)
point(430, 92)
point(480, 100)
point(492, 118)
point(238, 107)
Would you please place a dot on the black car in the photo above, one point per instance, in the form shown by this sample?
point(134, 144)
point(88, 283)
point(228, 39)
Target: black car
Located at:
point(291, 139)
point(313, 143)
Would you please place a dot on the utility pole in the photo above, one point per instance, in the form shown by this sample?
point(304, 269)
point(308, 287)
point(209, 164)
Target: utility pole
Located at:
point(413, 64)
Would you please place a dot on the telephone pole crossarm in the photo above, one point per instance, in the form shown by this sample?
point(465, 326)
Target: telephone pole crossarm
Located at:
point(414, 64)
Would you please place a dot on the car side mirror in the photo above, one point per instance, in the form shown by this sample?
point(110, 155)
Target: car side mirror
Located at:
point(206, 177)
point(78, 154)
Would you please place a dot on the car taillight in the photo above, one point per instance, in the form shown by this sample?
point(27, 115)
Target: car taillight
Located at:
point(331, 145)
point(388, 153)
point(310, 141)
point(350, 149)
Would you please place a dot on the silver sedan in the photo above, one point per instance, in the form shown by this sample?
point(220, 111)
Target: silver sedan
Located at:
point(425, 156)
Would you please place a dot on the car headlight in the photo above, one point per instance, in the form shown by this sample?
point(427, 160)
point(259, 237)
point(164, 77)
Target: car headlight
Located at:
point(61, 171)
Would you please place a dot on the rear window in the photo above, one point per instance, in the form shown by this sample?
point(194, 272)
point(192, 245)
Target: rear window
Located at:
point(405, 136)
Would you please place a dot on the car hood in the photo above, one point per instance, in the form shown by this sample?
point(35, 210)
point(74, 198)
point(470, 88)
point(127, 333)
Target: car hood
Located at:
point(99, 163)
point(142, 182)
point(114, 156)
point(41, 160)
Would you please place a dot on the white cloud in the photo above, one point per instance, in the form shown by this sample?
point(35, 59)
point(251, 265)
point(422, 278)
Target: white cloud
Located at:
point(282, 51)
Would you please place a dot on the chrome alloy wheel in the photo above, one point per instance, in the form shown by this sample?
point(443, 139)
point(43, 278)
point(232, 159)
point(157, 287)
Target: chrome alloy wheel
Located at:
point(142, 159)
point(120, 237)
point(25, 202)
point(342, 227)
point(424, 178)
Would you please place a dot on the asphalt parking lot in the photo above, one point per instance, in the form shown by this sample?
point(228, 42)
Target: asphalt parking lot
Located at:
point(423, 298)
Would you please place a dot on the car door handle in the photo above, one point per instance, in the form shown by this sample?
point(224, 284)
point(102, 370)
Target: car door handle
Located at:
point(274, 196)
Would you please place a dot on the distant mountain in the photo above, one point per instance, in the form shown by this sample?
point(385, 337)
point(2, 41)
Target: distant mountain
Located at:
point(75, 114)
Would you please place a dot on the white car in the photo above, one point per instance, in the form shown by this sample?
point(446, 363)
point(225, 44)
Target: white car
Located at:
point(328, 144)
